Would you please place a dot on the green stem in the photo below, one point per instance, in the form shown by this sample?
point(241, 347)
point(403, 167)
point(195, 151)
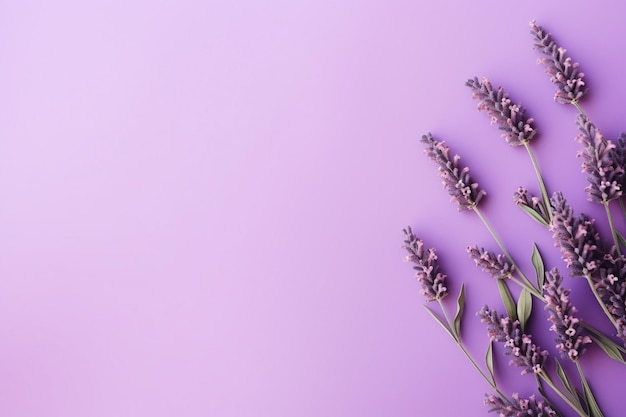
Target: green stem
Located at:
point(621, 205)
point(526, 282)
point(457, 339)
point(574, 405)
point(542, 185)
point(599, 300)
point(580, 109)
point(609, 216)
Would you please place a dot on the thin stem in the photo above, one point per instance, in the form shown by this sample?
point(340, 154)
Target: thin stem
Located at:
point(457, 339)
point(575, 406)
point(526, 282)
point(621, 205)
point(599, 300)
point(542, 186)
point(609, 216)
point(580, 109)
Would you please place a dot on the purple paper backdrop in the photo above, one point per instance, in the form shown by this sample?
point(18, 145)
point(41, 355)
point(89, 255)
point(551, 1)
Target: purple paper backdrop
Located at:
point(202, 201)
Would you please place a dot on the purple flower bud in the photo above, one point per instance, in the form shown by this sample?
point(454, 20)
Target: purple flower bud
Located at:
point(570, 341)
point(427, 267)
point(456, 180)
point(516, 344)
point(510, 117)
point(580, 243)
point(495, 265)
point(606, 176)
point(563, 72)
point(611, 286)
point(519, 407)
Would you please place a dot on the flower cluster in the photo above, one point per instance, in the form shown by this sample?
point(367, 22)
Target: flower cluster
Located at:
point(426, 267)
point(563, 72)
point(578, 239)
point(570, 340)
point(600, 162)
point(519, 407)
point(495, 265)
point(532, 204)
point(517, 344)
point(456, 179)
point(510, 117)
point(611, 286)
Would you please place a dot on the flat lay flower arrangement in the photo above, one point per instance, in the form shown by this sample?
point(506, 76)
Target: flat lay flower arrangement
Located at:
point(586, 255)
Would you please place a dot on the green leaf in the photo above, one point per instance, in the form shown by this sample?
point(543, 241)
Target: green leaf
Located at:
point(489, 362)
point(441, 322)
point(607, 345)
point(524, 307)
point(538, 264)
point(507, 299)
point(534, 214)
point(565, 380)
point(621, 238)
point(590, 399)
point(460, 304)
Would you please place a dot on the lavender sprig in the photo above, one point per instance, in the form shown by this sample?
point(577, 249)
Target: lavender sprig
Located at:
point(456, 179)
point(519, 407)
point(495, 265)
point(580, 244)
point(563, 72)
point(517, 344)
point(611, 287)
point(534, 206)
point(510, 117)
point(570, 340)
point(518, 130)
point(426, 266)
point(600, 162)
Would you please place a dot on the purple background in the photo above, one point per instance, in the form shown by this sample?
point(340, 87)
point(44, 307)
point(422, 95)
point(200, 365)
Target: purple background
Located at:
point(202, 202)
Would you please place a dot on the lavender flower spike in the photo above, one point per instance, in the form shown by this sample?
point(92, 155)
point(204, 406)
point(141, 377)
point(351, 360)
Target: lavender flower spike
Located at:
point(601, 162)
point(580, 243)
point(563, 72)
point(519, 407)
point(510, 118)
point(464, 191)
point(504, 330)
point(495, 265)
point(533, 204)
point(611, 286)
point(570, 342)
point(427, 267)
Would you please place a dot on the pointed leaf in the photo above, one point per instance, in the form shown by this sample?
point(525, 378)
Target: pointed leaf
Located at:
point(538, 264)
point(524, 307)
point(507, 299)
point(460, 304)
point(489, 362)
point(534, 214)
point(441, 322)
point(591, 401)
point(609, 347)
point(565, 380)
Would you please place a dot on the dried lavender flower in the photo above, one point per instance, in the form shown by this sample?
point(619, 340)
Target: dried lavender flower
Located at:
point(517, 344)
point(580, 243)
point(510, 117)
point(605, 175)
point(519, 407)
point(563, 72)
point(570, 340)
point(495, 265)
point(456, 180)
point(523, 199)
point(427, 267)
